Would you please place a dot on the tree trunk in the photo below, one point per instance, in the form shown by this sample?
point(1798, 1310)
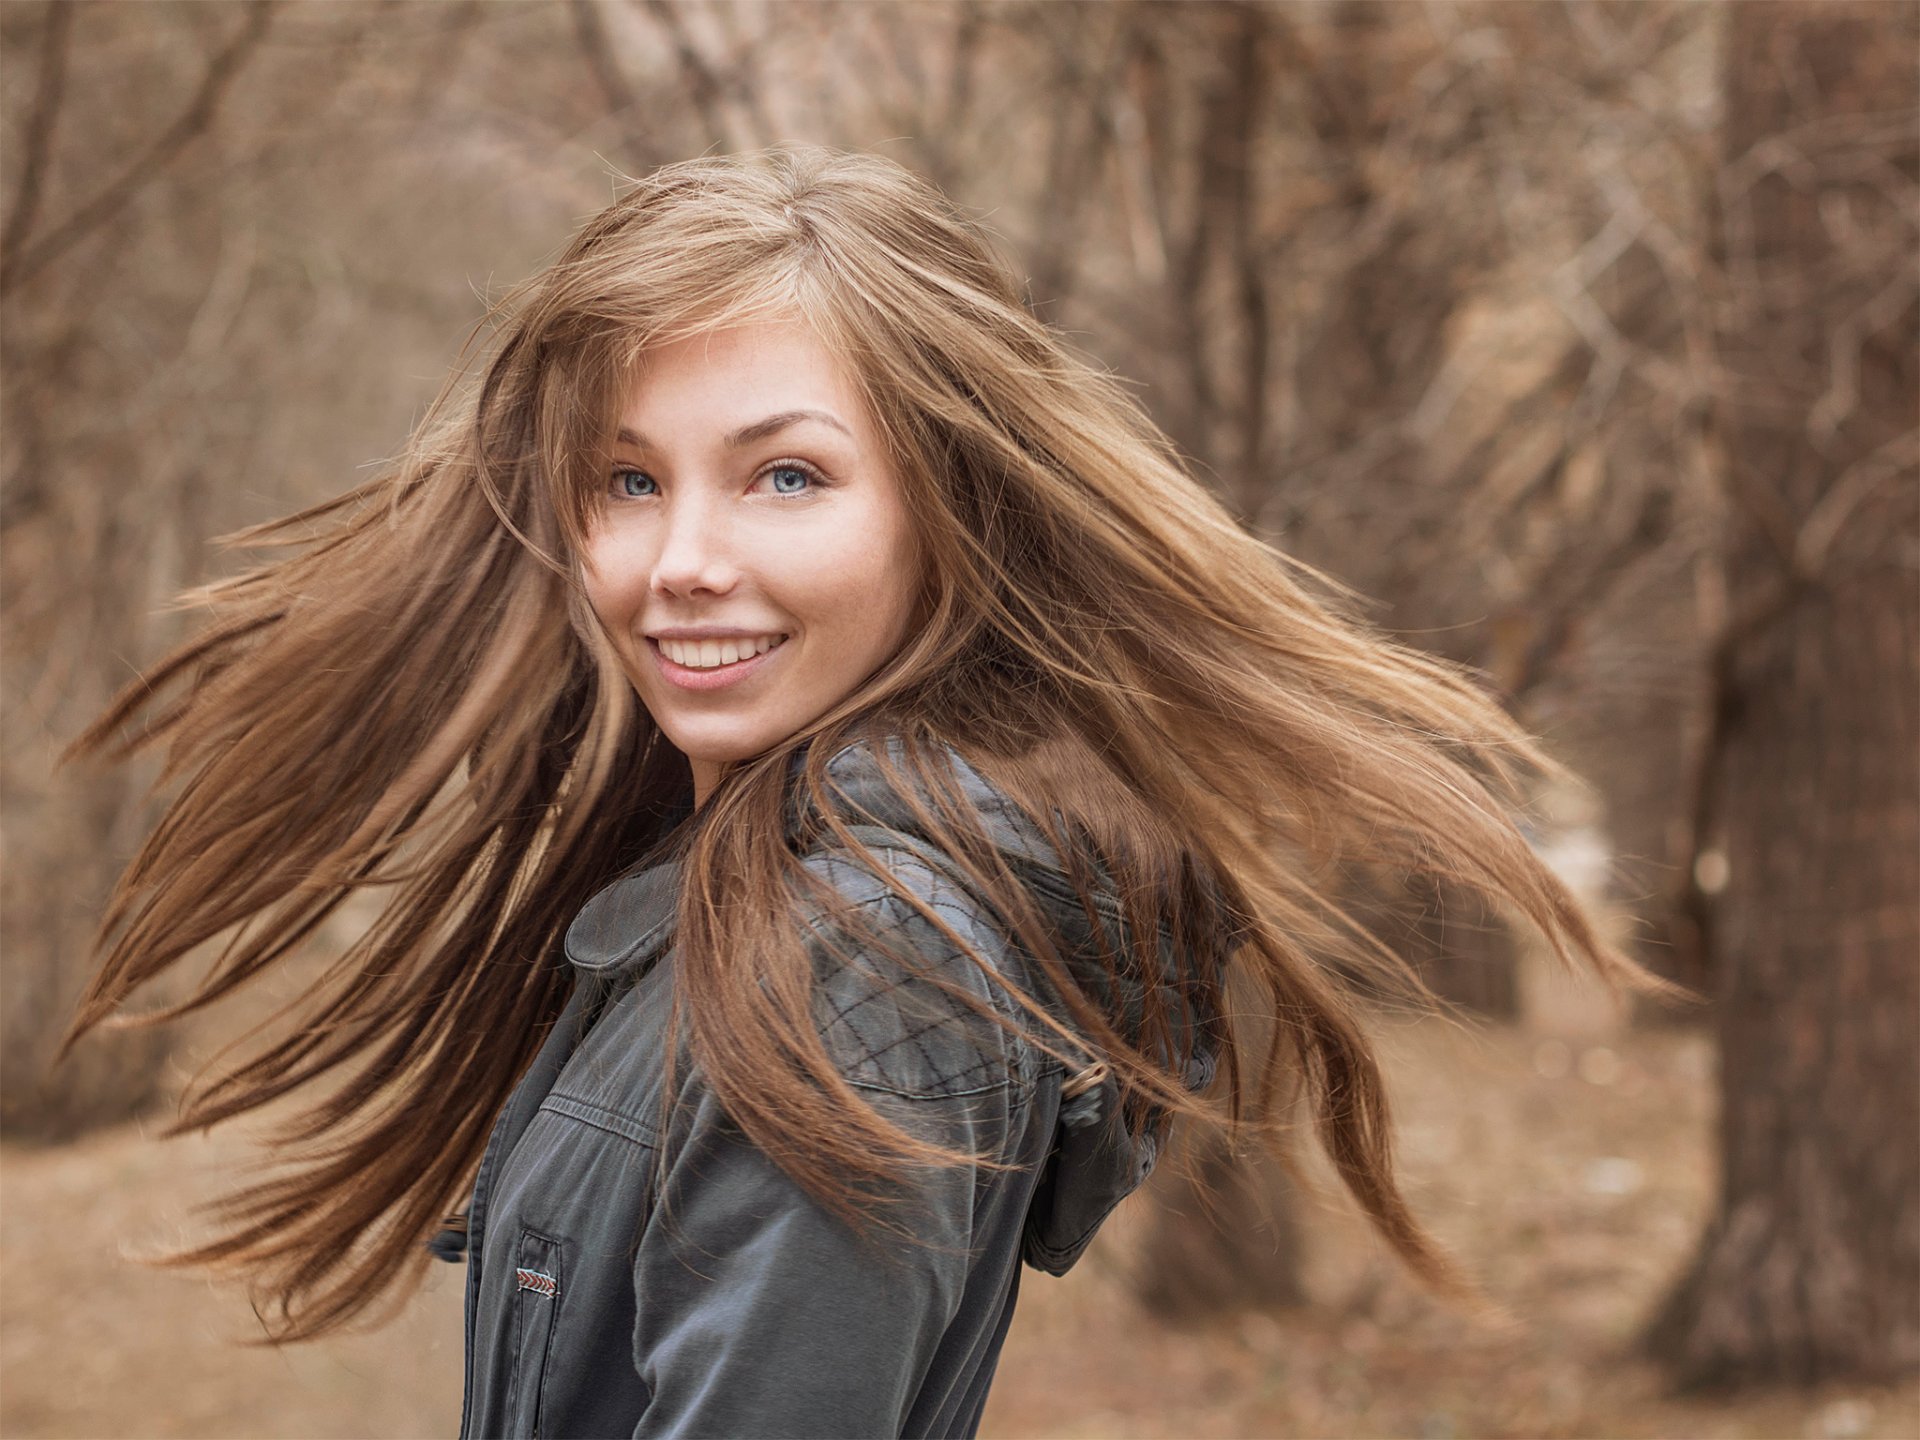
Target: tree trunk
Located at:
point(1811, 1268)
point(1459, 947)
point(1222, 1238)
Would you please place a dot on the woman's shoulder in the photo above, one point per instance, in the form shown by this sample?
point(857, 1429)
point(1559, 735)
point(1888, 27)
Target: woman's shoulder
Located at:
point(916, 972)
point(914, 978)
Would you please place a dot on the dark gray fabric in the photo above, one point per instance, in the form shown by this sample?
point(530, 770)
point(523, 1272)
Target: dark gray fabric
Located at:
point(628, 1282)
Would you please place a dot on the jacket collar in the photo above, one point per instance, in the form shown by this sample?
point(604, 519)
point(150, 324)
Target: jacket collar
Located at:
point(629, 922)
point(863, 790)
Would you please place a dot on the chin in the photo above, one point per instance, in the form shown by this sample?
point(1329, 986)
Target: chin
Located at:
point(711, 750)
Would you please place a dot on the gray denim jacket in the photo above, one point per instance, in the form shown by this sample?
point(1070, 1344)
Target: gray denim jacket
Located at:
point(739, 1307)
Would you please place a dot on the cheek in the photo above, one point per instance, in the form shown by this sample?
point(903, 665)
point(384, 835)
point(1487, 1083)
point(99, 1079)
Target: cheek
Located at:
point(613, 584)
point(906, 567)
point(879, 581)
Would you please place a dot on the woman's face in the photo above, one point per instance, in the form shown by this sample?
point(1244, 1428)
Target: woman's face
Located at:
point(754, 561)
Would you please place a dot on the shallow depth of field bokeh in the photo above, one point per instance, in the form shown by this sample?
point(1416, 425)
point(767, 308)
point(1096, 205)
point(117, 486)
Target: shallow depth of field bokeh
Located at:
point(1570, 1167)
point(1576, 335)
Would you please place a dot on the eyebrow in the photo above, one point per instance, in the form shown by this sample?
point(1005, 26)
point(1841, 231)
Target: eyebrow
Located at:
point(747, 434)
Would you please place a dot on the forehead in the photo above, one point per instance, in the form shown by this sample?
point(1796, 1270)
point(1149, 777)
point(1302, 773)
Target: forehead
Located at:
point(738, 375)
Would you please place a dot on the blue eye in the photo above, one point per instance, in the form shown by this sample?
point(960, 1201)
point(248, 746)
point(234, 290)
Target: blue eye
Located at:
point(801, 472)
point(627, 483)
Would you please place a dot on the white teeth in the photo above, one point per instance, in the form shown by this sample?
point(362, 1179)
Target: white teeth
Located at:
point(710, 654)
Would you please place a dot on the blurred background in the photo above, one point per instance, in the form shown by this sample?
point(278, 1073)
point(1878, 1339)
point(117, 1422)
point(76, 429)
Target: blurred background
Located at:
point(1580, 336)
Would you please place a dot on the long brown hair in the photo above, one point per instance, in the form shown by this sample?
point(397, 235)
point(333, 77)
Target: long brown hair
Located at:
point(415, 699)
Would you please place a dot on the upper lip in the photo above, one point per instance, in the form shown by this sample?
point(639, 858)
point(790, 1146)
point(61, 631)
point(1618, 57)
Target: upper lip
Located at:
point(709, 632)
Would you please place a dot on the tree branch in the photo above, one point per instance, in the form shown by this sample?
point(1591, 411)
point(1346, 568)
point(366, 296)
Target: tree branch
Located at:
point(48, 89)
point(596, 49)
point(18, 267)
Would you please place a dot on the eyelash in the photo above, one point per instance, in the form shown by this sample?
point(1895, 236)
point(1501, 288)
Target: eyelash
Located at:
point(815, 478)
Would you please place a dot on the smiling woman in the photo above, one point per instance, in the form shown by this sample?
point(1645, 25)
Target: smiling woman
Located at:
point(840, 787)
point(749, 572)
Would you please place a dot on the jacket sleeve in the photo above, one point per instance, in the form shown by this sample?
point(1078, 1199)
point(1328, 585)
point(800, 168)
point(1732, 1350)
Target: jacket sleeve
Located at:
point(761, 1313)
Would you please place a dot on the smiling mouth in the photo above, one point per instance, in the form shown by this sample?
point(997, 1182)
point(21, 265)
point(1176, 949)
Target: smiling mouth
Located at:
point(716, 654)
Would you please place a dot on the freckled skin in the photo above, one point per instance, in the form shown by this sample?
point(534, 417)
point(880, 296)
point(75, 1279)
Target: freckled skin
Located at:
point(696, 533)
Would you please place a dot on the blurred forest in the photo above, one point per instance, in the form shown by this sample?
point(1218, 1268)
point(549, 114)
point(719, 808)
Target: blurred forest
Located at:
point(1578, 335)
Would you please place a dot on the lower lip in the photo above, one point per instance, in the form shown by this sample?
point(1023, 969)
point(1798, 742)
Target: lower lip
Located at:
point(717, 678)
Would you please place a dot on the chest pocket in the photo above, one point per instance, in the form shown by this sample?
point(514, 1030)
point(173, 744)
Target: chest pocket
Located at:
point(539, 1287)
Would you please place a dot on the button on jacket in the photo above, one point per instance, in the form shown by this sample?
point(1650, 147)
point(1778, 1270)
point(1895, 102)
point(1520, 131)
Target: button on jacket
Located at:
point(624, 1281)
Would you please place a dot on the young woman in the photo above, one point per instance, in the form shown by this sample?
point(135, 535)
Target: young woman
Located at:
point(841, 788)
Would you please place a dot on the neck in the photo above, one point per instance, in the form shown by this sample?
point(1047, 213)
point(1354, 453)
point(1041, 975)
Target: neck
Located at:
point(706, 775)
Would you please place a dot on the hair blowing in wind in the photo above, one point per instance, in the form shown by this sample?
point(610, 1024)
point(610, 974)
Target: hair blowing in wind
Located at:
point(413, 698)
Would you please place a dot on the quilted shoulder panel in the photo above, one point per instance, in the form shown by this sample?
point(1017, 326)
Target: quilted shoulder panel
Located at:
point(894, 1008)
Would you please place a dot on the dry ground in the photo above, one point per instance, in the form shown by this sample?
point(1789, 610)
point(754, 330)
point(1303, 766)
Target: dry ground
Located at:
point(1569, 1174)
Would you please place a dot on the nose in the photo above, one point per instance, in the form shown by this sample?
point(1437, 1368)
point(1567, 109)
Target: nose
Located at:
point(696, 551)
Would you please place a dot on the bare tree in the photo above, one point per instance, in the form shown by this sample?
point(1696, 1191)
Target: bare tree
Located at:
point(194, 251)
point(1810, 796)
point(80, 565)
